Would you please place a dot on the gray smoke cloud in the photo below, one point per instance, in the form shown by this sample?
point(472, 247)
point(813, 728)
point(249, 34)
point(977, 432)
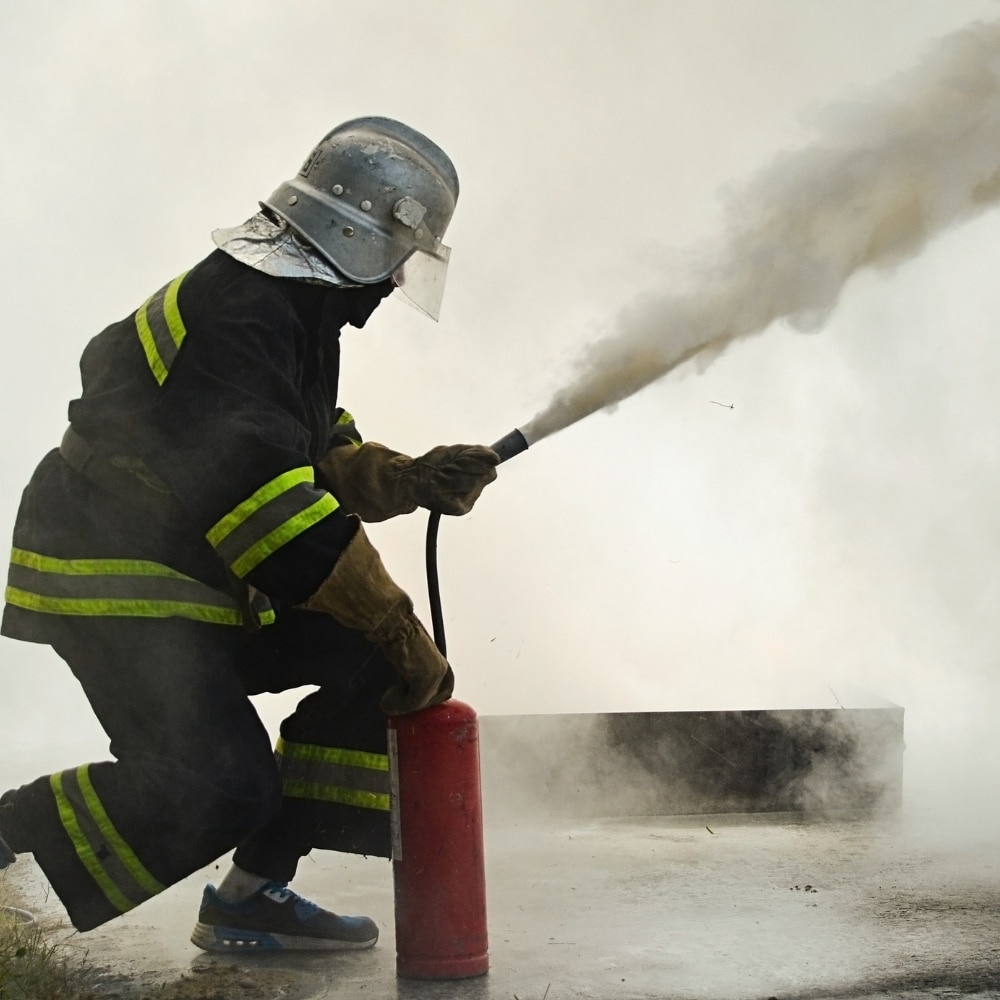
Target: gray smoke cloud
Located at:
point(882, 179)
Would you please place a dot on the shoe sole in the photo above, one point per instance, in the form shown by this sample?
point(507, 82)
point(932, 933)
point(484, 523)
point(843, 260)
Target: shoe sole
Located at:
point(211, 937)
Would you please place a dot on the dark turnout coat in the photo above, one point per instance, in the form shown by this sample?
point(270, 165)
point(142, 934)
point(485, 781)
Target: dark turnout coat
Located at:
point(205, 412)
point(162, 551)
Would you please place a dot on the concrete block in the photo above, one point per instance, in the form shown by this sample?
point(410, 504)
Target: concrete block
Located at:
point(815, 762)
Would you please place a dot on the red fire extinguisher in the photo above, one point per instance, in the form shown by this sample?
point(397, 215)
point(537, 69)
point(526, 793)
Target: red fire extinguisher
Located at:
point(437, 818)
point(437, 843)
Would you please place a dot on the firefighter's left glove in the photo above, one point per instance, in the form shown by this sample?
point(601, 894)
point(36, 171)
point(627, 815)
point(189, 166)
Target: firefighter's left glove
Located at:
point(360, 594)
point(450, 478)
point(377, 483)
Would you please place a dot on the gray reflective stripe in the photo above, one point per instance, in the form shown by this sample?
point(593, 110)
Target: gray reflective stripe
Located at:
point(113, 865)
point(120, 587)
point(161, 329)
point(276, 513)
point(333, 774)
point(337, 775)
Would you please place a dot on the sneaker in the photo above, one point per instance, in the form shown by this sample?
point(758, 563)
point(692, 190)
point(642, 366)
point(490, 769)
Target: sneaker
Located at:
point(274, 919)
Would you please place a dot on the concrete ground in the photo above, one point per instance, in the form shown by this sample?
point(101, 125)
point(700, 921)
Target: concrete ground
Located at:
point(720, 907)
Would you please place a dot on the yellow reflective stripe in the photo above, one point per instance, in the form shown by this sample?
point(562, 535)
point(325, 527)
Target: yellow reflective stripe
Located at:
point(83, 849)
point(92, 567)
point(332, 793)
point(283, 534)
point(271, 517)
point(102, 587)
point(332, 755)
point(172, 313)
point(153, 359)
point(161, 329)
point(251, 505)
point(346, 420)
point(334, 774)
point(96, 606)
point(126, 855)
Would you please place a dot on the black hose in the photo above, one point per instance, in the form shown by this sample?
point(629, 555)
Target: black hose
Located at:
point(433, 589)
point(507, 447)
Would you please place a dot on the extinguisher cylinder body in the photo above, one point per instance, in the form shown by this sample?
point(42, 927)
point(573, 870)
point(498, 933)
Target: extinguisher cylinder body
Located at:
point(438, 861)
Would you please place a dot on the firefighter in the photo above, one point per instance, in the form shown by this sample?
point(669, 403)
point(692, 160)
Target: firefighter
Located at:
point(197, 538)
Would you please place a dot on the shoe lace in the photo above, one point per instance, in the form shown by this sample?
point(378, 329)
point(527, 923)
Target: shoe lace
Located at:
point(280, 893)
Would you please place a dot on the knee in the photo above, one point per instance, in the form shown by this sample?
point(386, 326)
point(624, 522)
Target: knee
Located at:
point(235, 789)
point(242, 789)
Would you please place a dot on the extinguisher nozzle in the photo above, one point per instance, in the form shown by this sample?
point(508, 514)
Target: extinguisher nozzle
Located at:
point(510, 445)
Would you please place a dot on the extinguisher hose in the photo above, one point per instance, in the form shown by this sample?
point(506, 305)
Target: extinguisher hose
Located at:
point(507, 447)
point(433, 586)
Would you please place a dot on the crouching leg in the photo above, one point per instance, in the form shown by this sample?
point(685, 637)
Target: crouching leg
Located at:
point(194, 774)
point(334, 769)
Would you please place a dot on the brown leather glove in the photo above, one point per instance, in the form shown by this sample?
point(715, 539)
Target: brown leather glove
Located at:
point(450, 478)
point(377, 483)
point(365, 479)
point(360, 594)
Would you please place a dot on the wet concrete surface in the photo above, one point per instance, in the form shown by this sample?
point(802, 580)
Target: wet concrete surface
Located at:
point(723, 906)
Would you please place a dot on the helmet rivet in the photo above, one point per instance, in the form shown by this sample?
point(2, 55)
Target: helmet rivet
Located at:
point(348, 230)
point(366, 205)
point(337, 189)
point(293, 199)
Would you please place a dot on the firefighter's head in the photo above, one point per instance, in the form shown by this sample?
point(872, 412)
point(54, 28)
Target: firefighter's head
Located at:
point(375, 198)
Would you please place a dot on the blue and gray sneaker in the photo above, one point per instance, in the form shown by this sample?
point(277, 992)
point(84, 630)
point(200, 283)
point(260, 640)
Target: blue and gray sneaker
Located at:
point(275, 919)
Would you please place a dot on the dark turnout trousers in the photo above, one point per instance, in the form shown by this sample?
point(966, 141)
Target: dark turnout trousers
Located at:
point(194, 773)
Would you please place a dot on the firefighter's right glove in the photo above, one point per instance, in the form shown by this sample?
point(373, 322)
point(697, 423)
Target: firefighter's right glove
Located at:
point(360, 594)
point(449, 478)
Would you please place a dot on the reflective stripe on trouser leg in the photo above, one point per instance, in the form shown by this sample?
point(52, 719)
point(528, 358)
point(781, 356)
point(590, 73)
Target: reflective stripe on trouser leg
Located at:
point(334, 799)
point(334, 774)
point(121, 876)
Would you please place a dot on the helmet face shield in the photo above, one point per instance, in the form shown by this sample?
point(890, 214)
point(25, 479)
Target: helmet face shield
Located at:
point(421, 278)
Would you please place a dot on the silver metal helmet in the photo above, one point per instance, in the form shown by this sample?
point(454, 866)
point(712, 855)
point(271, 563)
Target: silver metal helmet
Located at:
point(375, 198)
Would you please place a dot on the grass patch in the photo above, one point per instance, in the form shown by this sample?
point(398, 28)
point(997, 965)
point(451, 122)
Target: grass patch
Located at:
point(31, 966)
point(32, 969)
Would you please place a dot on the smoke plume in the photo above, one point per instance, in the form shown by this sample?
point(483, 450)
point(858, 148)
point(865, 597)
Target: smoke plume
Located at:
point(883, 178)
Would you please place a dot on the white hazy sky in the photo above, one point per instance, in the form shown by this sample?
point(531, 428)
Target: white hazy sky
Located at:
point(832, 536)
